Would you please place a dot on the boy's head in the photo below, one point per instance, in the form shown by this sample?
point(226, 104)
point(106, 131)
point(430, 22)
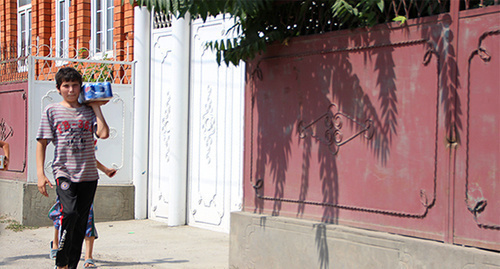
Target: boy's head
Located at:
point(67, 74)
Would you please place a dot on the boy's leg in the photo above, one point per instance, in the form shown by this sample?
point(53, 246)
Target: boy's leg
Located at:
point(67, 192)
point(85, 198)
point(89, 247)
point(55, 216)
point(91, 229)
point(90, 235)
point(55, 243)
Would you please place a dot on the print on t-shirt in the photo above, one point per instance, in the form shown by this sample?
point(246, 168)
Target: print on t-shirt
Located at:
point(73, 133)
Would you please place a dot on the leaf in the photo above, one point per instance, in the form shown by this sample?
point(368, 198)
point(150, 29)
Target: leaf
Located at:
point(222, 46)
point(175, 7)
point(218, 57)
point(401, 19)
point(380, 5)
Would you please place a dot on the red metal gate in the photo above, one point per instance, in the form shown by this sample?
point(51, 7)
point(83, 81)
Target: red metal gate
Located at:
point(477, 183)
point(13, 127)
point(384, 129)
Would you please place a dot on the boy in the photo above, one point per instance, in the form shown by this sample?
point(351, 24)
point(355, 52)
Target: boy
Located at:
point(70, 126)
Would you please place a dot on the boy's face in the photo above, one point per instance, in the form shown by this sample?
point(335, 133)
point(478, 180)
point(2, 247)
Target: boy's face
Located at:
point(70, 91)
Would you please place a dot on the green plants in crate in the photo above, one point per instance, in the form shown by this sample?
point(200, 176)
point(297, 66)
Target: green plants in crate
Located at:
point(98, 71)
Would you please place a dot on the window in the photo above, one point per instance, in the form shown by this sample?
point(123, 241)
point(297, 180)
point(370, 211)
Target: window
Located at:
point(102, 26)
point(23, 34)
point(62, 28)
point(24, 29)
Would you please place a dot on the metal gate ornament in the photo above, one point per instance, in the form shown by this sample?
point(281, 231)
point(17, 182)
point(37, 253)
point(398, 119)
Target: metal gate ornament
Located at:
point(333, 136)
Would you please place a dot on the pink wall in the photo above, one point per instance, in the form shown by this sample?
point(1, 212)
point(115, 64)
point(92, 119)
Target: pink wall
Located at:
point(358, 128)
point(13, 127)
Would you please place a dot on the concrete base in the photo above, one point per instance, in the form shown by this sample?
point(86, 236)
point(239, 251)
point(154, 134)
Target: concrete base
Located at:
point(262, 241)
point(22, 202)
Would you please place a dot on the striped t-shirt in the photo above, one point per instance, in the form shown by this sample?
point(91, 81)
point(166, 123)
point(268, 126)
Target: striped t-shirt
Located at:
point(71, 131)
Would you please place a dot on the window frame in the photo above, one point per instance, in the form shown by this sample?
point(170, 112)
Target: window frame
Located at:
point(24, 31)
point(98, 51)
point(65, 31)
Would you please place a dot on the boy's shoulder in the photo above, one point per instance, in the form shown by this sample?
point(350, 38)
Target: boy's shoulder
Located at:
point(59, 106)
point(52, 107)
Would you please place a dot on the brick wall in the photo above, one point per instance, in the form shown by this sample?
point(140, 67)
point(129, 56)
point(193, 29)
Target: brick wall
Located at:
point(44, 25)
point(8, 27)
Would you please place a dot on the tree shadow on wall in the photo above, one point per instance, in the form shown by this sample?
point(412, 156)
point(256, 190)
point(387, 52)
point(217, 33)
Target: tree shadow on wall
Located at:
point(294, 88)
point(291, 88)
point(441, 38)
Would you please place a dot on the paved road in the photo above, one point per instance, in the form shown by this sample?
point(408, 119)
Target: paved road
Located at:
point(123, 244)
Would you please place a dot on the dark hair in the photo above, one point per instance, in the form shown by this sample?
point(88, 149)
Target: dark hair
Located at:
point(67, 74)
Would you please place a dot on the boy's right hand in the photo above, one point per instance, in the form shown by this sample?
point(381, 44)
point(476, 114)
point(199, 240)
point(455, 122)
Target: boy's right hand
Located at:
point(111, 172)
point(42, 181)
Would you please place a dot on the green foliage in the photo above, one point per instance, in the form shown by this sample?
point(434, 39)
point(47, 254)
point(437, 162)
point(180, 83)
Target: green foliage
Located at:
point(358, 13)
point(14, 225)
point(258, 23)
point(400, 19)
point(93, 72)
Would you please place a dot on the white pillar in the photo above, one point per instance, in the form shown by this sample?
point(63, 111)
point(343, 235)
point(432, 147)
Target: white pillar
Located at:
point(142, 47)
point(180, 102)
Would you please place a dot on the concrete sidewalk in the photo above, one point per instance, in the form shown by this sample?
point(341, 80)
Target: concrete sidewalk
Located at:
point(123, 244)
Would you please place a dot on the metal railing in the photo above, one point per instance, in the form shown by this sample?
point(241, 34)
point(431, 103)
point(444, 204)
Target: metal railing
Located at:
point(118, 72)
point(44, 62)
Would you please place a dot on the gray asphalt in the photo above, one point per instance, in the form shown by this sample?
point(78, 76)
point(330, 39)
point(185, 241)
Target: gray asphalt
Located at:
point(123, 244)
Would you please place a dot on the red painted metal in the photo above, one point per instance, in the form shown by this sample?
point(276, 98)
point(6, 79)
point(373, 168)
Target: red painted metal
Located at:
point(13, 128)
point(358, 128)
point(477, 184)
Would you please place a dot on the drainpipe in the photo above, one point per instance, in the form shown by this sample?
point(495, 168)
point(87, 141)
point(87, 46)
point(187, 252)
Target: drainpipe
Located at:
point(180, 101)
point(142, 47)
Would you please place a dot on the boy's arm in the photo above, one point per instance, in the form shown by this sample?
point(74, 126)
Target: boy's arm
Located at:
point(102, 127)
point(41, 147)
point(105, 170)
point(100, 166)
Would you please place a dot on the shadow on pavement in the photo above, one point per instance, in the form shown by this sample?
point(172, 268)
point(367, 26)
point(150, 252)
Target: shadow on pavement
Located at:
point(119, 264)
point(10, 260)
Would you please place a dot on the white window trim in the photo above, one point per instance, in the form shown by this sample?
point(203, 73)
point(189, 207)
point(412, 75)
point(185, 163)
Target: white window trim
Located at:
point(66, 30)
point(25, 9)
point(93, 38)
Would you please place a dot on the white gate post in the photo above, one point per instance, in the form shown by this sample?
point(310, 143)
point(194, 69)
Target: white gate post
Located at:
point(142, 55)
point(180, 108)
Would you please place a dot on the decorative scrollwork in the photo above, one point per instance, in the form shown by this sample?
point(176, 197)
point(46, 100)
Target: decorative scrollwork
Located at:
point(208, 124)
point(333, 136)
point(476, 205)
point(166, 125)
point(6, 131)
